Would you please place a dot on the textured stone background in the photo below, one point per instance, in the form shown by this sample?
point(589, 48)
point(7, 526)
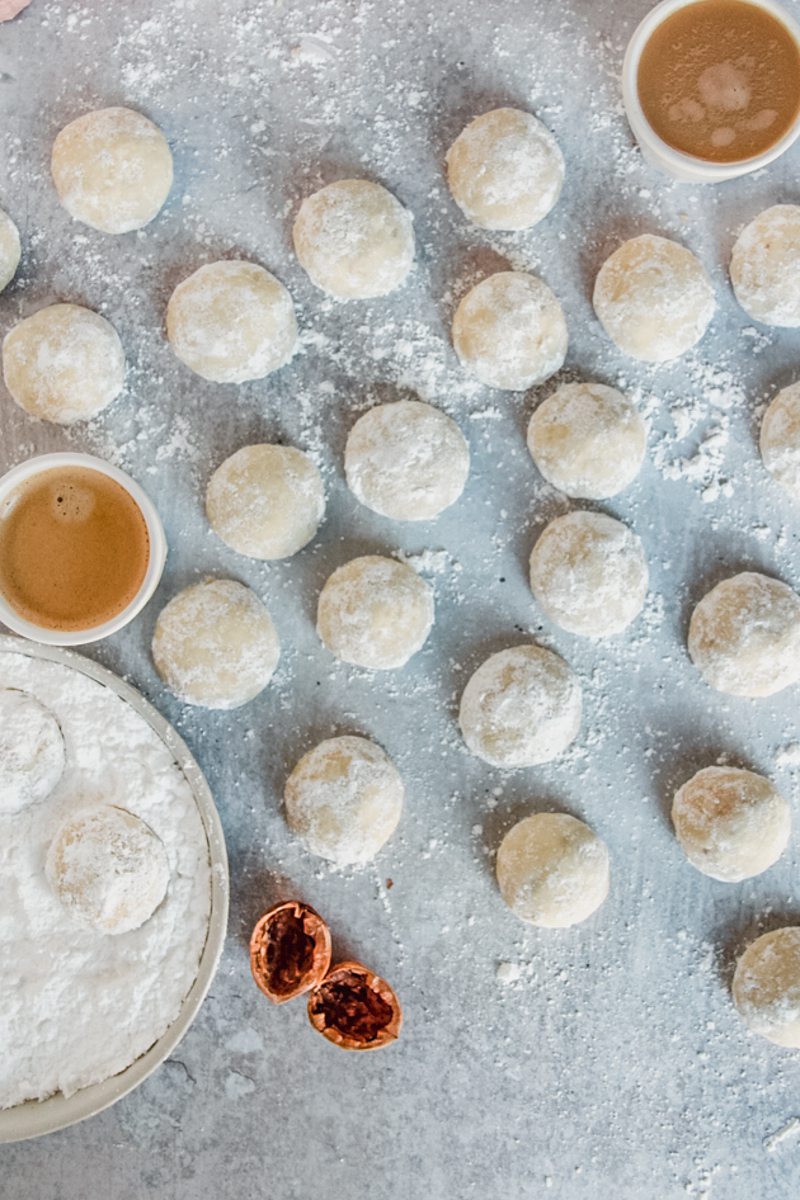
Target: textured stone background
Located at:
point(616, 1065)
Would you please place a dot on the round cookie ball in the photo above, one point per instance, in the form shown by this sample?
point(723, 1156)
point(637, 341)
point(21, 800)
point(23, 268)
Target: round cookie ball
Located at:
point(521, 707)
point(589, 574)
point(63, 364)
point(406, 460)
point(10, 249)
point(344, 799)
point(766, 986)
point(215, 645)
point(32, 753)
point(780, 438)
point(375, 612)
point(232, 321)
point(744, 636)
point(732, 824)
point(765, 266)
point(552, 870)
point(509, 331)
point(112, 169)
point(587, 440)
point(108, 868)
point(266, 501)
point(653, 298)
point(505, 170)
point(354, 239)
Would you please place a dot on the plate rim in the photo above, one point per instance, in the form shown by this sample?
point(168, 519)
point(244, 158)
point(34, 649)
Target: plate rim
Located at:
point(36, 1118)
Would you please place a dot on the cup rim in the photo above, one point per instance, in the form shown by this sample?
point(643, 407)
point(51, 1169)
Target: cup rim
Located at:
point(158, 549)
point(680, 160)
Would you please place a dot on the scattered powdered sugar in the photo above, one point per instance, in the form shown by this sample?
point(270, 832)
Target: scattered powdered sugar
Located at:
point(429, 562)
point(701, 419)
point(789, 755)
point(508, 972)
point(77, 1006)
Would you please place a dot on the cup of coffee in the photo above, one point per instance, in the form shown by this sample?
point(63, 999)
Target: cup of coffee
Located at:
point(712, 87)
point(82, 549)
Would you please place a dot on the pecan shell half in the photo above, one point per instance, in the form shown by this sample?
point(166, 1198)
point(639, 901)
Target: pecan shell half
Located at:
point(355, 1009)
point(290, 951)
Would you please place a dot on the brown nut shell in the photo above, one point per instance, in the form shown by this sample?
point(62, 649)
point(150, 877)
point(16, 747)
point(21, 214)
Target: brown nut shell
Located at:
point(355, 1009)
point(290, 951)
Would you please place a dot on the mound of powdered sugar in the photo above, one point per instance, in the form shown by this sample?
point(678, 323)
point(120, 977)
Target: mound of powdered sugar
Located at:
point(76, 1005)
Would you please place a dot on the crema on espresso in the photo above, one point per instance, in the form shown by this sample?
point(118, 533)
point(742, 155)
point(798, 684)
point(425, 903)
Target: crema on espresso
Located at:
point(74, 549)
point(720, 80)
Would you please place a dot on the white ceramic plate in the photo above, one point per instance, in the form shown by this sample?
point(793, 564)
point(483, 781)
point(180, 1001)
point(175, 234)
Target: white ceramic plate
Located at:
point(37, 1117)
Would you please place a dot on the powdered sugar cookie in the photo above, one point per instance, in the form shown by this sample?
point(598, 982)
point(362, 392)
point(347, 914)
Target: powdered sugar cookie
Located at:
point(510, 332)
point(375, 612)
point(744, 636)
point(112, 169)
point(354, 239)
point(344, 799)
point(552, 870)
point(232, 321)
point(653, 298)
point(109, 868)
point(266, 501)
point(10, 249)
point(505, 170)
point(521, 707)
point(63, 364)
point(214, 644)
point(765, 266)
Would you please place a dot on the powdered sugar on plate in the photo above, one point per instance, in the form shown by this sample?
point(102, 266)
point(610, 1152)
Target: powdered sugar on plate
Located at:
point(77, 1006)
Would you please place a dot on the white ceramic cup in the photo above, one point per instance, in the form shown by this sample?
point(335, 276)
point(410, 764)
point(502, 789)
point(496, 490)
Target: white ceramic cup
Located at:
point(685, 166)
point(158, 550)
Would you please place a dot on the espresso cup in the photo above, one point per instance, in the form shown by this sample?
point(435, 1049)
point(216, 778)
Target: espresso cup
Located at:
point(687, 167)
point(157, 549)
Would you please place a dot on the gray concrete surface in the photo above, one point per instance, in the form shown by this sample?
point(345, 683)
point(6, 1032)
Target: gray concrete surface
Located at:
point(616, 1065)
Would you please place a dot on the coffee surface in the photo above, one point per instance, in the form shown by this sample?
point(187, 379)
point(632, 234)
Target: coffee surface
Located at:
point(74, 549)
point(720, 80)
